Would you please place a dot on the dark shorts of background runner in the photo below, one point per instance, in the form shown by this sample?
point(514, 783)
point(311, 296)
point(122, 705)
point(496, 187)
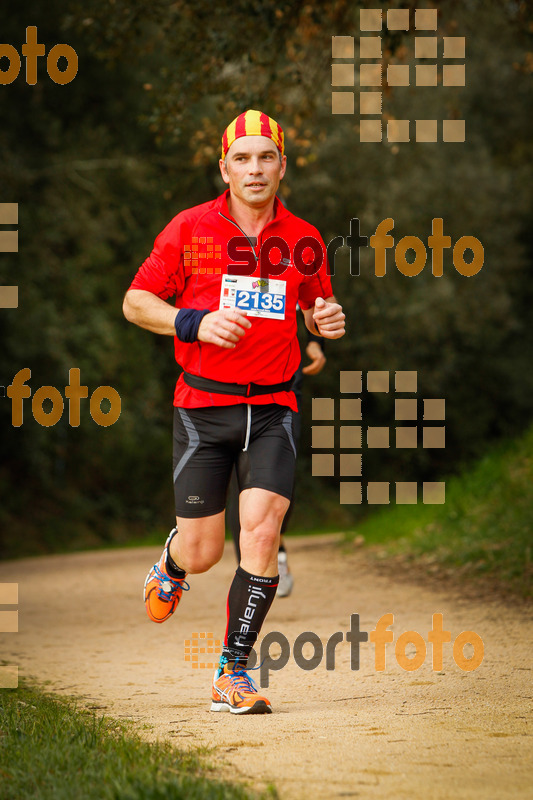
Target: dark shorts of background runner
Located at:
point(209, 441)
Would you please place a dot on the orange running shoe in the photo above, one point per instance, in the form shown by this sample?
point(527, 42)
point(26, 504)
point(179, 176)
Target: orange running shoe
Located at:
point(162, 592)
point(234, 691)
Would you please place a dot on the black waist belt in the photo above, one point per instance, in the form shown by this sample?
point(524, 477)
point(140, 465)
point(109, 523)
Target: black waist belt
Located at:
point(243, 390)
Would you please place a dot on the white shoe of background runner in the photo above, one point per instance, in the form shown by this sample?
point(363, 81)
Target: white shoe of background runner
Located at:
point(286, 581)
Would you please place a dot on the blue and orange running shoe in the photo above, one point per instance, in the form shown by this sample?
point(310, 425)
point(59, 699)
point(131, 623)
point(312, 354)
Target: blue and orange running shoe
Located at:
point(234, 691)
point(162, 592)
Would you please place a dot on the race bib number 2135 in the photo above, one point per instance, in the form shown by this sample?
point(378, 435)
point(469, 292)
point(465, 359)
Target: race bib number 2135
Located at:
point(257, 296)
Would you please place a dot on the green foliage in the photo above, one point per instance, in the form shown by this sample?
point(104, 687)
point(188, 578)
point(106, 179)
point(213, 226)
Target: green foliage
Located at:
point(100, 165)
point(484, 528)
point(52, 750)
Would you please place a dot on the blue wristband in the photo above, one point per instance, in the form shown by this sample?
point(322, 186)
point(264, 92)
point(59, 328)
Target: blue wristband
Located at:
point(187, 323)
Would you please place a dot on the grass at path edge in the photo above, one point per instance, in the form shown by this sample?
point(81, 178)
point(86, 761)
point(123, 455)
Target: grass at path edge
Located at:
point(483, 530)
point(51, 749)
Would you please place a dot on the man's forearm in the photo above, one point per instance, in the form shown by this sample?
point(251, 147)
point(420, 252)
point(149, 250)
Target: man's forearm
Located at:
point(148, 311)
point(309, 322)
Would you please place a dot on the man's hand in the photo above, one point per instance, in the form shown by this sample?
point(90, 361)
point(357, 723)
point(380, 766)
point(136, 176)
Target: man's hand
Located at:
point(224, 328)
point(329, 319)
point(318, 359)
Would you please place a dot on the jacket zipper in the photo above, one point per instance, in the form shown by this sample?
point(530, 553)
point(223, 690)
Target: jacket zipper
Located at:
point(228, 219)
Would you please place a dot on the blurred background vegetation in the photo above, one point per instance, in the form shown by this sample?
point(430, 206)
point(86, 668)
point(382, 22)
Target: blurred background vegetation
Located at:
point(100, 165)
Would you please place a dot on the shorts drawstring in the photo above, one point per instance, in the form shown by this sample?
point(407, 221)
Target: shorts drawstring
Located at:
point(248, 427)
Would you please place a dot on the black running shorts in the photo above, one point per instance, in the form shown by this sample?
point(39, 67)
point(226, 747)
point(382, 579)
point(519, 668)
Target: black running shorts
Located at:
point(257, 439)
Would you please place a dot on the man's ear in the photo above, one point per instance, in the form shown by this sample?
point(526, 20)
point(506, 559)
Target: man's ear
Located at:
point(223, 170)
point(283, 167)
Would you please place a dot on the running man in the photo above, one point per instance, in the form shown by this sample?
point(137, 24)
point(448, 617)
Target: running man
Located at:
point(235, 338)
point(314, 351)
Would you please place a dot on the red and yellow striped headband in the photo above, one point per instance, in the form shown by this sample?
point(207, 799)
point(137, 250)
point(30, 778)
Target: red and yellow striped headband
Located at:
point(252, 123)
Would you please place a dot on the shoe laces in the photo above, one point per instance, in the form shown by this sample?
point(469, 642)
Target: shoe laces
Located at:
point(239, 677)
point(175, 583)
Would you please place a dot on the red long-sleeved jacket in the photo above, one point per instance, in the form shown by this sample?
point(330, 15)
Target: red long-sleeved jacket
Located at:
point(184, 263)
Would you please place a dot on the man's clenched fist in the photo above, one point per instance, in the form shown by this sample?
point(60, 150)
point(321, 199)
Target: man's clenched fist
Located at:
point(224, 328)
point(329, 319)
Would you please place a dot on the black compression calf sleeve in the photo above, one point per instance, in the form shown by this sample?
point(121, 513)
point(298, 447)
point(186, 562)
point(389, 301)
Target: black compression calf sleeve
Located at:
point(249, 599)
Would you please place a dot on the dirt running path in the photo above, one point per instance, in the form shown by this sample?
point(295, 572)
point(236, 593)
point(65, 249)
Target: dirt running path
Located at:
point(343, 733)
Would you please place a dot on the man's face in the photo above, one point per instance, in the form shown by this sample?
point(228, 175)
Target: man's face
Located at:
point(253, 170)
